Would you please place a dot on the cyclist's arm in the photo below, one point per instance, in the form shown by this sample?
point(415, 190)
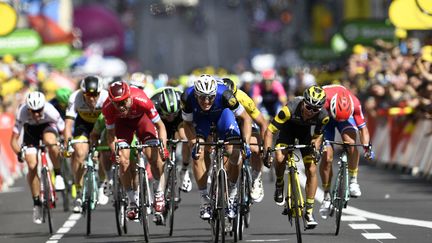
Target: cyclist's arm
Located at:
point(68, 129)
point(268, 138)
point(364, 135)
point(262, 123)
point(111, 137)
point(14, 142)
point(246, 126)
point(160, 126)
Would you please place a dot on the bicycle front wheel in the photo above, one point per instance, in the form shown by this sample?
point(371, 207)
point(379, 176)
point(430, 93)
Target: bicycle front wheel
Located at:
point(296, 209)
point(143, 201)
point(46, 204)
point(119, 206)
point(87, 201)
point(339, 200)
point(170, 193)
point(221, 205)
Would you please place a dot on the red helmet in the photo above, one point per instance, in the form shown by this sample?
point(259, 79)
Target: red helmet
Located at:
point(119, 91)
point(268, 74)
point(341, 106)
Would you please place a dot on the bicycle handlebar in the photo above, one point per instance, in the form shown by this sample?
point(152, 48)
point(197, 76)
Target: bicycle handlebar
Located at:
point(176, 141)
point(341, 143)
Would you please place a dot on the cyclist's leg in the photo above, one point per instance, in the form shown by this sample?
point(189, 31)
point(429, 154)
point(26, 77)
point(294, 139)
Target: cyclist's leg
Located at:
point(349, 134)
point(50, 136)
point(186, 182)
point(325, 168)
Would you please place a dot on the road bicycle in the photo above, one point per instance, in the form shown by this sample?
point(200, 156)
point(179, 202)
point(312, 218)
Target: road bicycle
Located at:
point(120, 198)
point(340, 190)
point(172, 192)
point(68, 180)
point(294, 201)
point(218, 188)
point(47, 191)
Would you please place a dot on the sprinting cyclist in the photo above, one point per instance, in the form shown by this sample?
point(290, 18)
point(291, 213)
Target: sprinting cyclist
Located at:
point(294, 121)
point(127, 111)
point(61, 100)
point(347, 117)
point(84, 108)
point(208, 104)
point(258, 128)
point(39, 121)
point(167, 103)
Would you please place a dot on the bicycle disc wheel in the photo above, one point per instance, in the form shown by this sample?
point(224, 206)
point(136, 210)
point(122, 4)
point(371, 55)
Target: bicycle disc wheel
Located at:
point(222, 204)
point(296, 210)
point(339, 200)
point(47, 200)
point(171, 195)
point(144, 202)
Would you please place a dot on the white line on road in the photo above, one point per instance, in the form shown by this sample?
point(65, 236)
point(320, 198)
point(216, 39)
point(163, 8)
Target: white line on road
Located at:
point(269, 240)
point(378, 236)
point(67, 226)
point(353, 218)
point(364, 226)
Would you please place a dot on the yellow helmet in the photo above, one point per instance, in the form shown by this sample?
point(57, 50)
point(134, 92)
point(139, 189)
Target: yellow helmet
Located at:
point(314, 96)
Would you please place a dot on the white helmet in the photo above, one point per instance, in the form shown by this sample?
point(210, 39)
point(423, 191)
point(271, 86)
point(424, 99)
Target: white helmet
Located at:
point(35, 100)
point(205, 85)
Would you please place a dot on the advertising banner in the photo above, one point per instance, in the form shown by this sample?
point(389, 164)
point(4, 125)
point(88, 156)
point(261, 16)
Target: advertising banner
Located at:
point(20, 41)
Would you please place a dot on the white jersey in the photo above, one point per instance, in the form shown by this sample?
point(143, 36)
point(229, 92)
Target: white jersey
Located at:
point(50, 115)
point(78, 106)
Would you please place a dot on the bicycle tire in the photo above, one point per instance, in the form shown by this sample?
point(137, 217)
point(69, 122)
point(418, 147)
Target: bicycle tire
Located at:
point(339, 201)
point(171, 188)
point(222, 204)
point(117, 200)
point(46, 207)
point(87, 201)
point(144, 202)
point(213, 204)
point(247, 216)
point(66, 193)
point(295, 197)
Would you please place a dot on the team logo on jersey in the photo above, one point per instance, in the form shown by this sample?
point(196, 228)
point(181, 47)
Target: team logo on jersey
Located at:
point(232, 101)
point(325, 120)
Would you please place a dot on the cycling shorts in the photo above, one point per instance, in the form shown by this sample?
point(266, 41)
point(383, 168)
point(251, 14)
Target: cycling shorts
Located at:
point(82, 128)
point(143, 127)
point(330, 132)
point(34, 133)
point(289, 133)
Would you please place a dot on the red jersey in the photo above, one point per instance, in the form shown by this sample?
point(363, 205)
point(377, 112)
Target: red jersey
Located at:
point(357, 114)
point(141, 105)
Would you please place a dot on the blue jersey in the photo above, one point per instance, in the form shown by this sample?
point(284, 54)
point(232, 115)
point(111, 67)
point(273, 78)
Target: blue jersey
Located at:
point(221, 113)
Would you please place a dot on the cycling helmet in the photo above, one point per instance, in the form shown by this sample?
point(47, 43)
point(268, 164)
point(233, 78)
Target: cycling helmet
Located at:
point(62, 95)
point(170, 102)
point(314, 96)
point(91, 84)
point(138, 80)
point(341, 106)
point(268, 74)
point(205, 85)
point(230, 84)
point(119, 91)
point(35, 100)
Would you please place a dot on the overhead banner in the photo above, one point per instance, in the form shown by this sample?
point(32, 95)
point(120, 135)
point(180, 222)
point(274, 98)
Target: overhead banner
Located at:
point(21, 41)
point(411, 14)
point(367, 31)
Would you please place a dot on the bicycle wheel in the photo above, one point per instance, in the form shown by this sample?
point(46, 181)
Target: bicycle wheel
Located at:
point(66, 193)
point(221, 205)
point(46, 204)
point(242, 204)
point(213, 205)
point(339, 200)
point(87, 201)
point(248, 198)
point(143, 202)
point(118, 204)
point(170, 193)
point(295, 197)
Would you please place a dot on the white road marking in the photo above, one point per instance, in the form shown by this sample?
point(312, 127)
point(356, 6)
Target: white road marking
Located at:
point(353, 218)
point(269, 240)
point(13, 189)
point(364, 226)
point(67, 226)
point(378, 236)
point(366, 214)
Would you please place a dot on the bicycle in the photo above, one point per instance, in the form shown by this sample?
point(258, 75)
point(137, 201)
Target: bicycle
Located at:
point(145, 196)
point(172, 193)
point(218, 188)
point(339, 193)
point(47, 191)
point(294, 201)
point(120, 198)
point(68, 179)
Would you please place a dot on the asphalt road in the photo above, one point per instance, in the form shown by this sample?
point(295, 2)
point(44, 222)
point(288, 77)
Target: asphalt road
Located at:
point(393, 208)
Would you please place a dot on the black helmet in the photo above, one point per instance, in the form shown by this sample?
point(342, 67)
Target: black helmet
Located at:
point(230, 84)
point(314, 96)
point(91, 84)
point(170, 101)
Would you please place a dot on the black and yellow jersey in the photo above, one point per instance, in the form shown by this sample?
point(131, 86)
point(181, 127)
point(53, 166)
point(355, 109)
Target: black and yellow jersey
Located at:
point(247, 103)
point(290, 117)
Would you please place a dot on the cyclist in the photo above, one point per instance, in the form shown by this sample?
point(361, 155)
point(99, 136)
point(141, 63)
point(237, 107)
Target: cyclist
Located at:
point(38, 120)
point(258, 129)
point(84, 108)
point(208, 104)
point(127, 111)
point(347, 117)
point(60, 101)
point(144, 82)
point(294, 121)
point(269, 93)
point(167, 103)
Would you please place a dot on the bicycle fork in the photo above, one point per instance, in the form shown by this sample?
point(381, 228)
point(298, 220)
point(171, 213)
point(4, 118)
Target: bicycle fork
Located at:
point(52, 195)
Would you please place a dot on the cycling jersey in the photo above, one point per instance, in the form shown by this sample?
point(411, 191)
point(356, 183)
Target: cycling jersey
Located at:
point(49, 116)
point(141, 105)
point(78, 107)
point(247, 103)
point(270, 99)
point(170, 126)
point(331, 90)
point(221, 113)
point(59, 108)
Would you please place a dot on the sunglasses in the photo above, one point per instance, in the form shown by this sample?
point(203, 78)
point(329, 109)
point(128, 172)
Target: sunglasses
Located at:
point(203, 98)
point(311, 108)
point(91, 94)
point(37, 111)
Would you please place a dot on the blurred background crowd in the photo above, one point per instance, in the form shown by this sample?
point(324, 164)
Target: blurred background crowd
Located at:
point(359, 44)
